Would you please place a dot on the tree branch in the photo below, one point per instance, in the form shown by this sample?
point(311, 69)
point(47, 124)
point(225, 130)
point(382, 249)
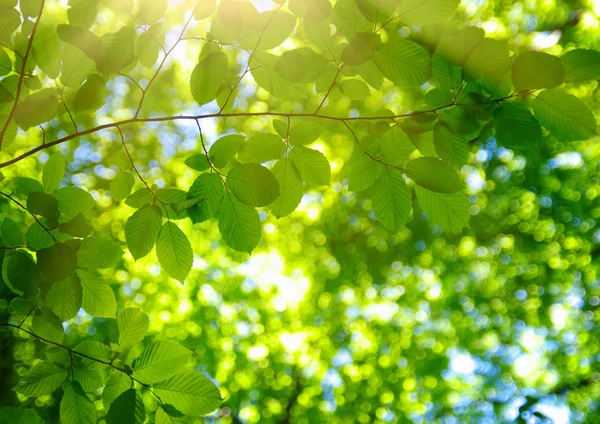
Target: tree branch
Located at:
point(234, 115)
point(22, 74)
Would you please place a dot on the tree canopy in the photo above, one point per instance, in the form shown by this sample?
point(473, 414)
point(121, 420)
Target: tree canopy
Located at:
point(299, 211)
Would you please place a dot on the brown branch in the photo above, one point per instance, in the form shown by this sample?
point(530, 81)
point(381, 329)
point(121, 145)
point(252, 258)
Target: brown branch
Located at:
point(22, 74)
point(15, 201)
point(232, 115)
point(83, 355)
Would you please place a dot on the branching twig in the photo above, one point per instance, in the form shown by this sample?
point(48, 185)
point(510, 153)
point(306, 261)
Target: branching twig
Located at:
point(250, 57)
point(154, 196)
point(22, 74)
point(162, 63)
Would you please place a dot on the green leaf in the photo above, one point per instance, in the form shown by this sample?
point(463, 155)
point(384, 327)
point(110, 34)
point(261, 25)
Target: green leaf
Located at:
point(266, 30)
point(361, 48)
point(54, 171)
point(117, 50)
point(450, 147)
point(403, 62)
point(139, 198)
point(73, 201)
point(46, 50)
point(225, 148)
point(82, 12)
point(20, 272)
point(516, 126)
point(56, 263)
point(116, 384)
point(9, 22)
point(160, 361)
point(174, 251)
point(127, 408)
point(532, 70)
point(121, 185)
point(364, 171)
point(391, 199)
point(355, 89)
point(311, 10)
point(348, 18)
point(37, 108)
point(85, 40)
point(149, 13)
point(133, 326)
point(190, 392)
point(490, 57)
point(267, 77)
point(446, 74)
point(76, 66)
point(24, 185)
point(98, 252)
point(94, 349)
point(37, 237)
point(76, 407)
point(12, 236)
point(198, 162)
point(98, 298)
point(204, 9)
point(208, 76)
point(581, 65)
point(147, 50)
point(396, 146)
point(6, 68)
point(312, 165)
point(261, 148)
point(91, 94)
point(89, 377)
point(44, 204)
point(142, 229)
point(163, 417)
point(426, 12)
point(64, 298)
point(450, 211)
point(291, 188)
point(433, 174)
point(43, 379)
point(19, 415)
point(239, 225)
point(208, 188)
point(305, 133)
point(253, 184)
point(564, 115)
point(77, 227)
point(301, 65)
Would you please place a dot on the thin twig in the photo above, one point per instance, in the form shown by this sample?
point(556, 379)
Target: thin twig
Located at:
point(337, 74)
point(22, 74)
point(15, 201)
point(83, 355)
point(162, 63)
point(250, 57)
point(132, 80)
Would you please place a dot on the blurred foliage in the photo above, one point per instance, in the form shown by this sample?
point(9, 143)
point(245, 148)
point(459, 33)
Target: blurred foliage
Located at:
point(343, 312)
